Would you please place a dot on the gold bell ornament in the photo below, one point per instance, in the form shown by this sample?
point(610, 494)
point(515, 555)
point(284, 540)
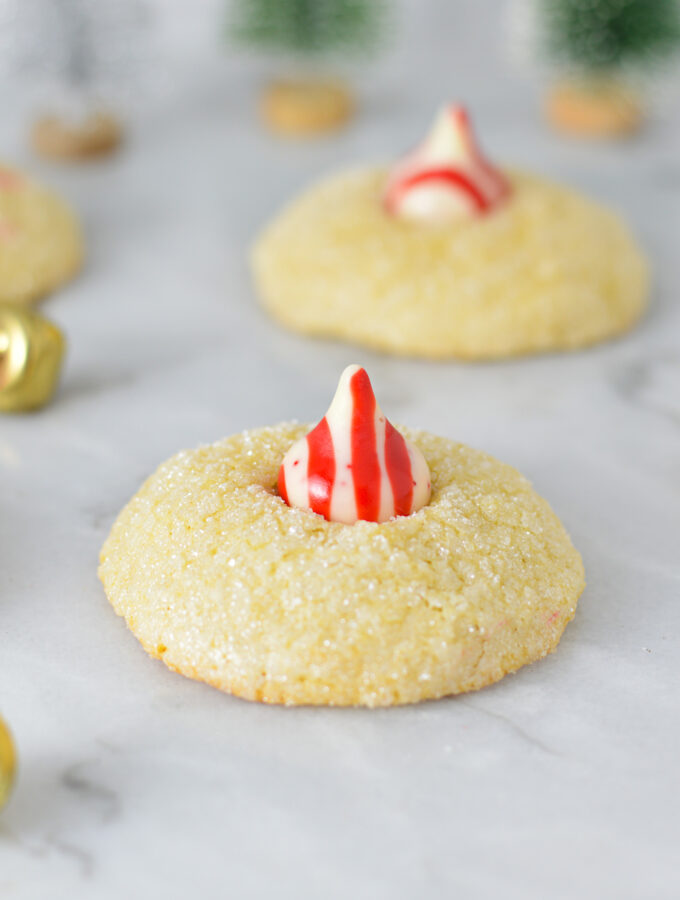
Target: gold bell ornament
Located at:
point(31, 354)
point(7, 763)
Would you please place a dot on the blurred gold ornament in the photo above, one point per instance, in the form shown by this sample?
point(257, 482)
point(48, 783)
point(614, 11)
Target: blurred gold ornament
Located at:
point(7, 763)
point(594, 108)
point(31, 353)
point(304, 108)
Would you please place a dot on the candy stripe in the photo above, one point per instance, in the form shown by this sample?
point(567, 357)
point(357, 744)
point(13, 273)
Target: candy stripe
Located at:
point(501, 185)
point(450, 177)
point(365, 465)
point(399, 471)
point(320, 468)
point(461, 122)
point(496, 178)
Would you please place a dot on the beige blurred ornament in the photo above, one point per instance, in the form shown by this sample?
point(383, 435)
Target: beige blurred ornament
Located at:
point(7, 763)
point(31, 354)
point(306, 107)
point(593, 108)
point(94, 135)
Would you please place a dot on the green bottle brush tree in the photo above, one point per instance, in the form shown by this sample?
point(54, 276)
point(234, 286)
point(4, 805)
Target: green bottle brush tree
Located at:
point(597, 45)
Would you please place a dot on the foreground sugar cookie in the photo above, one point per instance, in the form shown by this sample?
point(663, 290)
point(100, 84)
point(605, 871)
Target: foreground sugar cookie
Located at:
point(40, 240)
point(447, 256)
point(225, 582)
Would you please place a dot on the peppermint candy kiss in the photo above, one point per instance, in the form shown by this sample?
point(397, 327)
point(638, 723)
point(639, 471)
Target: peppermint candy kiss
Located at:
point(355, 464)
point(446, 178)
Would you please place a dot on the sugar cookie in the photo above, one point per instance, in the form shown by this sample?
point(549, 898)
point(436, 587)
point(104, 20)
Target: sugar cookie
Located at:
point(225, 582)
point(475, 264)
point(40, 240)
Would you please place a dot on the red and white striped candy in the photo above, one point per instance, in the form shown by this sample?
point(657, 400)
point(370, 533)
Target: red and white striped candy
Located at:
point(446, 177)
point(355, 464)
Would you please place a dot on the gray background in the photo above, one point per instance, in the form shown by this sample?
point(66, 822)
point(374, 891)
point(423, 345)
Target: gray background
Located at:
point(560, 781)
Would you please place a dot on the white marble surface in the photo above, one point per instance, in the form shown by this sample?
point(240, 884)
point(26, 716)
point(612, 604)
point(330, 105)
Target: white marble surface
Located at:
point(560, 781)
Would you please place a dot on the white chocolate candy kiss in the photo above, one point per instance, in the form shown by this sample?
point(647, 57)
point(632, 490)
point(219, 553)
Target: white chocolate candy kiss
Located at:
point(355, 465)
point(446, 178)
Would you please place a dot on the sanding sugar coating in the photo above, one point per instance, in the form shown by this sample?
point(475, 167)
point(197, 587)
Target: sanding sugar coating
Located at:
point(40, 240)
point(217, 576)
point(547, 270)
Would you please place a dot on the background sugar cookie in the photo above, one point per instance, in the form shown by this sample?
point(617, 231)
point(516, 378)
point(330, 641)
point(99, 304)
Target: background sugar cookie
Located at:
point(549, 270)
point(40, 239)
point(225, 583)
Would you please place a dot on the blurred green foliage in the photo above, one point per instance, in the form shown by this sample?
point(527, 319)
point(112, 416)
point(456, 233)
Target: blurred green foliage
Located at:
point(608, 34)
point(308, 27)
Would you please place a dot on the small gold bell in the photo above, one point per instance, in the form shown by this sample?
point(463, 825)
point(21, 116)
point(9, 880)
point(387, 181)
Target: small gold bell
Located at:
point(7, 763)
point(31, 353)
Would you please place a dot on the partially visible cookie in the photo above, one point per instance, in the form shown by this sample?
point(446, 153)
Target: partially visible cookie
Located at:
point(222, 580)
point(41, 244)
point(98, 134)
point(303, 108)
